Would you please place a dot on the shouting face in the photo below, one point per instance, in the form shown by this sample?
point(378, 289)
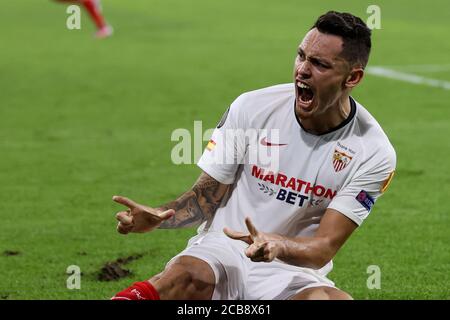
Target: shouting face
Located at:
point(323, 80)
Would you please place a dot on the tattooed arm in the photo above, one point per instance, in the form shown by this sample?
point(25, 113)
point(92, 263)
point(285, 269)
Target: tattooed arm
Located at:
point(190, 209)
point(196, 205)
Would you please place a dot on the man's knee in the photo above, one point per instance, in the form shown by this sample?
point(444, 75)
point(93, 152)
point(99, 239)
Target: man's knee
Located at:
point(322, 293)
point(185, 278)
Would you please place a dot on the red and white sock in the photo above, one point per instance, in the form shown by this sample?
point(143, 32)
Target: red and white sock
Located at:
point(138, 291)
point(93, 8)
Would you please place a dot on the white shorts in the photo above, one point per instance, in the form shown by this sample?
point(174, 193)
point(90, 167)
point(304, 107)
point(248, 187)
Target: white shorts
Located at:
point(239, 278)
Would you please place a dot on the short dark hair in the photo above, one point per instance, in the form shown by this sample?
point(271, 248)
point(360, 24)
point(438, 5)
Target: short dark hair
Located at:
point(354, 33)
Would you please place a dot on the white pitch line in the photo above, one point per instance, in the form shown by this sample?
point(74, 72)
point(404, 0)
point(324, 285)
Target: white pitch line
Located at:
point(408, 77)
point(433, 68)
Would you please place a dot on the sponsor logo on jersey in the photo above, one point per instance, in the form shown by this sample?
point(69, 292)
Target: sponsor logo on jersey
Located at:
point(365, 199)
point(293, 190)
point(266, 143)
point(267, 190)
point(340, 160)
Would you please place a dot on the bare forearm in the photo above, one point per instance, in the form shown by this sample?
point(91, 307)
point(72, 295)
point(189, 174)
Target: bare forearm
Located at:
point(308, 252)
point(314, 252)
point(197, 205)
point(187, 212)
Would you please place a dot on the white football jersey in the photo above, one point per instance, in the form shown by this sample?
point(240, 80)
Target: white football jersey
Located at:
point(345, 169)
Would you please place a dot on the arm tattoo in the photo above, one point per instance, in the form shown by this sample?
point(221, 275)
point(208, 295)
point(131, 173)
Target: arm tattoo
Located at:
point(197, 205)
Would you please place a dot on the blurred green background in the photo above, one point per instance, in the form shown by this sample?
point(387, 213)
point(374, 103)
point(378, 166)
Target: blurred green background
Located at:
point(83, 119)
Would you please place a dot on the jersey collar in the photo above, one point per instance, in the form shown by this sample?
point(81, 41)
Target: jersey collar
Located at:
point(341, 125)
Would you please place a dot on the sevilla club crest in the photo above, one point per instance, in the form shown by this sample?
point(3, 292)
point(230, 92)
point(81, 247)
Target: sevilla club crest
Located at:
point(340, 160)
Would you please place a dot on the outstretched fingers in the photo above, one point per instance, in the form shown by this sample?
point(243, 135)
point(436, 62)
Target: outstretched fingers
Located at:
point(251, 228)
point(167, 214)
point(238, 235)
point(125, 201)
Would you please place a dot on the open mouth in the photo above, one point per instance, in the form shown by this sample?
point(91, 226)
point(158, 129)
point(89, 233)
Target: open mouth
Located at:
point(305, 93)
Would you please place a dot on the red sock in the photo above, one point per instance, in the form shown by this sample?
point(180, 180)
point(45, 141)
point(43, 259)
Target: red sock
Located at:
point(94, 12)
point(138, 291)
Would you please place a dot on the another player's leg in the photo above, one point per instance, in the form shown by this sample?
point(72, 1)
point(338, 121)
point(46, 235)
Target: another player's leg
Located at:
point(322, 293)
point(186, 277)
point(94, 10)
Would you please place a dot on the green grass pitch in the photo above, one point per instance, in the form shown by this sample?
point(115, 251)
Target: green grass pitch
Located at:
point(82, 120)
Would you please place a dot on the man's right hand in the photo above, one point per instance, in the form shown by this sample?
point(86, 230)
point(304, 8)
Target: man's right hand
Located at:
point(139, 218)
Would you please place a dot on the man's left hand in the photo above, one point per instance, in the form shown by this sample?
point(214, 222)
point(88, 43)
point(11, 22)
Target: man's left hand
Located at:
point(263, 247)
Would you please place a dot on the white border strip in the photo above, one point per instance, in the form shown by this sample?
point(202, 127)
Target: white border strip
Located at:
point(407, 77)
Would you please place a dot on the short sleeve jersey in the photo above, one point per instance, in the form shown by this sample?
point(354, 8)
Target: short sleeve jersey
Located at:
point(346, 169)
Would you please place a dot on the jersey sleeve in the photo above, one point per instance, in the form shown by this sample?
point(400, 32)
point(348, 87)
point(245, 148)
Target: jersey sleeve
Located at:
point(226, 149)
point(356, 199)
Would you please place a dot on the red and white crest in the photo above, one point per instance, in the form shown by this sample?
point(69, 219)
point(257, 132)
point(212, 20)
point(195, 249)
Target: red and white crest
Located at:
point(340, 160)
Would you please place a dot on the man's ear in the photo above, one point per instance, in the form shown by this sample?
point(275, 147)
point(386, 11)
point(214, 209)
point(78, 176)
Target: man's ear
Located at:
point(355, 77)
